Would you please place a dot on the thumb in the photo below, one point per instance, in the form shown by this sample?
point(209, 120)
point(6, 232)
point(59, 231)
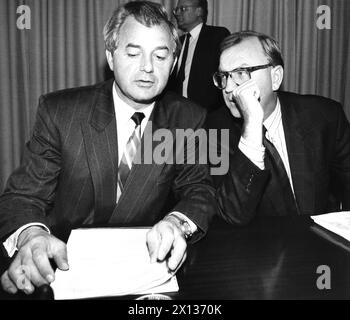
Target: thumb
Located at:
point(153, 242)
point(59, 254)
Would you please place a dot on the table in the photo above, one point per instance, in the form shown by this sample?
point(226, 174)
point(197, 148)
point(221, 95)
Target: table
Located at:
point(272, 258)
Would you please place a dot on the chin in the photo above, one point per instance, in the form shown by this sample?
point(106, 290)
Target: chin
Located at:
point(145, 99)
point(145, 94)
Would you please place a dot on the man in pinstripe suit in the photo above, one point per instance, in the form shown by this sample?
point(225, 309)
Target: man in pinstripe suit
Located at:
point(70, 172)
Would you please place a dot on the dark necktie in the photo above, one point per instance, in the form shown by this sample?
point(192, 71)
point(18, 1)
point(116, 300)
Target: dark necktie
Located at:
point(181, 74)
point(129, 153)
point(283, 194)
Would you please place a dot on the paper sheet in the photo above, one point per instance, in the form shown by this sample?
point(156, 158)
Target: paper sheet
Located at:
point(337, 222)
point(110, 262)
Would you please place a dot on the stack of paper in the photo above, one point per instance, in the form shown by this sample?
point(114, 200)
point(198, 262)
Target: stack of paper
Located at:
point(110, 262)
point(337, 222)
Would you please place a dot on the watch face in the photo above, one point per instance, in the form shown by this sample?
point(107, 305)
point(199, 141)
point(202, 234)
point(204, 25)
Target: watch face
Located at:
point(184, 226)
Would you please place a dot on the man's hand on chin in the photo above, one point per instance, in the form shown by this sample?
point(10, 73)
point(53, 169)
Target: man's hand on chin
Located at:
point(31, 266)
point(247, 96)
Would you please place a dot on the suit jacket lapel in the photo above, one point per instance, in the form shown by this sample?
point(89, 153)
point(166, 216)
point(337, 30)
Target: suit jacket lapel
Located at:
point(128, 205)
point(101, 144)
point(300, 155)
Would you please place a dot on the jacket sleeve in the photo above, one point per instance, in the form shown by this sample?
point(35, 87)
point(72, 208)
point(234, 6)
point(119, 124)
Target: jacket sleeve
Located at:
point(193, 187)
point(30, 190)
point(240, 190)
point(341, 160)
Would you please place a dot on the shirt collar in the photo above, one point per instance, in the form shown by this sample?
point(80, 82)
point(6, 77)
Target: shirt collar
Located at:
point(196, 31)
point(124, 112)
point(274, 120)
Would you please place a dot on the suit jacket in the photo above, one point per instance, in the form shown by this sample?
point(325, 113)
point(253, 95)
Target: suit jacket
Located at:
point(68, 176)
point(318, 143)
point(205, 62)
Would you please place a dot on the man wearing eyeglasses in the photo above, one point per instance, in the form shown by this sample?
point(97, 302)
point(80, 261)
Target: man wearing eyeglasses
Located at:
point(199, 57)
point(289, 153)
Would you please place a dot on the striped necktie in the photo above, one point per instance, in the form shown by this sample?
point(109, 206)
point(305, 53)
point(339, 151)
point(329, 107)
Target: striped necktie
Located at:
point(129, 153)
point(284, 197)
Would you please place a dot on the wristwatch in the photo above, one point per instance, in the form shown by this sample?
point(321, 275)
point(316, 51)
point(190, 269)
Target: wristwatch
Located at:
point(184, 226)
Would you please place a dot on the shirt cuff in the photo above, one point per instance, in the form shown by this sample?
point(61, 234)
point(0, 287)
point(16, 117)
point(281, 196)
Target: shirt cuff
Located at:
point(10, 244)
point(181, 216)
point(255, 154)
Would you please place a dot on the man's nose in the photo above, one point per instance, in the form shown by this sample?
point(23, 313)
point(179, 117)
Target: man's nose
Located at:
point(230, 85)
point(146, 64)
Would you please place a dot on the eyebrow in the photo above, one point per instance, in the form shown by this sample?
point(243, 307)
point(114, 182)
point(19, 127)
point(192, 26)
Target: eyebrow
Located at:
point(162, 48)
point(244, 65)
point(131, 45)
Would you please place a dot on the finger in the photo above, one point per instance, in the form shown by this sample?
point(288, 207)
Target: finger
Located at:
point(181, 262)
point(256, 92)
point(246, 87)
point(19, 274)
point(58, 251)
point(35, 271)
point(247, 95)
point(177, 253)
point(153, 242)
point(167, 239)
point(7, 283)
point(236, 91)
point(243, 86)
point(40, 264)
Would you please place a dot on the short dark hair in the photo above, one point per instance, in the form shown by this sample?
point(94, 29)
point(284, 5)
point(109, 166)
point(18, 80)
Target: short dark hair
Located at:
point(269, 44)
point(204, 5)
point(146, 12)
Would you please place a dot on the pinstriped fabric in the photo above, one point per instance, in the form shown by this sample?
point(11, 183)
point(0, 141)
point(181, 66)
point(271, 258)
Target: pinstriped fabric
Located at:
point(68, 177)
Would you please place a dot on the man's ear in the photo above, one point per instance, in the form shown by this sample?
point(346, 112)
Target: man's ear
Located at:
point(109, 57)
point(276, 77)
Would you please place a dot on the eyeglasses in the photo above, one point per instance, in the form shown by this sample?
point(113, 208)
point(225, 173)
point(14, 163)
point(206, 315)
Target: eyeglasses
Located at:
point(182, 9)
point(239, 75)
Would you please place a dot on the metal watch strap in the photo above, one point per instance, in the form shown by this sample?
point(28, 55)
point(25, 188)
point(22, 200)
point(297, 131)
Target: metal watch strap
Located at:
point(184, 226)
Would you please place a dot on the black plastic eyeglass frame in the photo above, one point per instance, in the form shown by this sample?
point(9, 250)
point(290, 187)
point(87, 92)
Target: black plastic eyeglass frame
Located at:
point(247, 69)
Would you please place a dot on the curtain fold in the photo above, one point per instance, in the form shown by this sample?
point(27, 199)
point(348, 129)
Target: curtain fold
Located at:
point(64, 48)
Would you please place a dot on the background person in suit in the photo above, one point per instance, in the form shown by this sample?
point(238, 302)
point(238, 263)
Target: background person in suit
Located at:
point(289, 153)
point(73, 170)
point(192, 77)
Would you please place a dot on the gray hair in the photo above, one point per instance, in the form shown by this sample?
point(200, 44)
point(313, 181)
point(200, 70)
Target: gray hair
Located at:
point(147, 13)
point(270, 45)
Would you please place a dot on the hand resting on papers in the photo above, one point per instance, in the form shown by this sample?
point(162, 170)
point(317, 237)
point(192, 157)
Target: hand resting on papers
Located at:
point(31, 266)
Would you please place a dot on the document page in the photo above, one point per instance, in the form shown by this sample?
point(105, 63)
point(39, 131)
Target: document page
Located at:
point(337, 222)
point(110, 262)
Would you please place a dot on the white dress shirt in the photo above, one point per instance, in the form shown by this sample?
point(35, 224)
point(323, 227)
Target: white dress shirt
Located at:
point(125, 127)
point(191, 48)
point(275, 134)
